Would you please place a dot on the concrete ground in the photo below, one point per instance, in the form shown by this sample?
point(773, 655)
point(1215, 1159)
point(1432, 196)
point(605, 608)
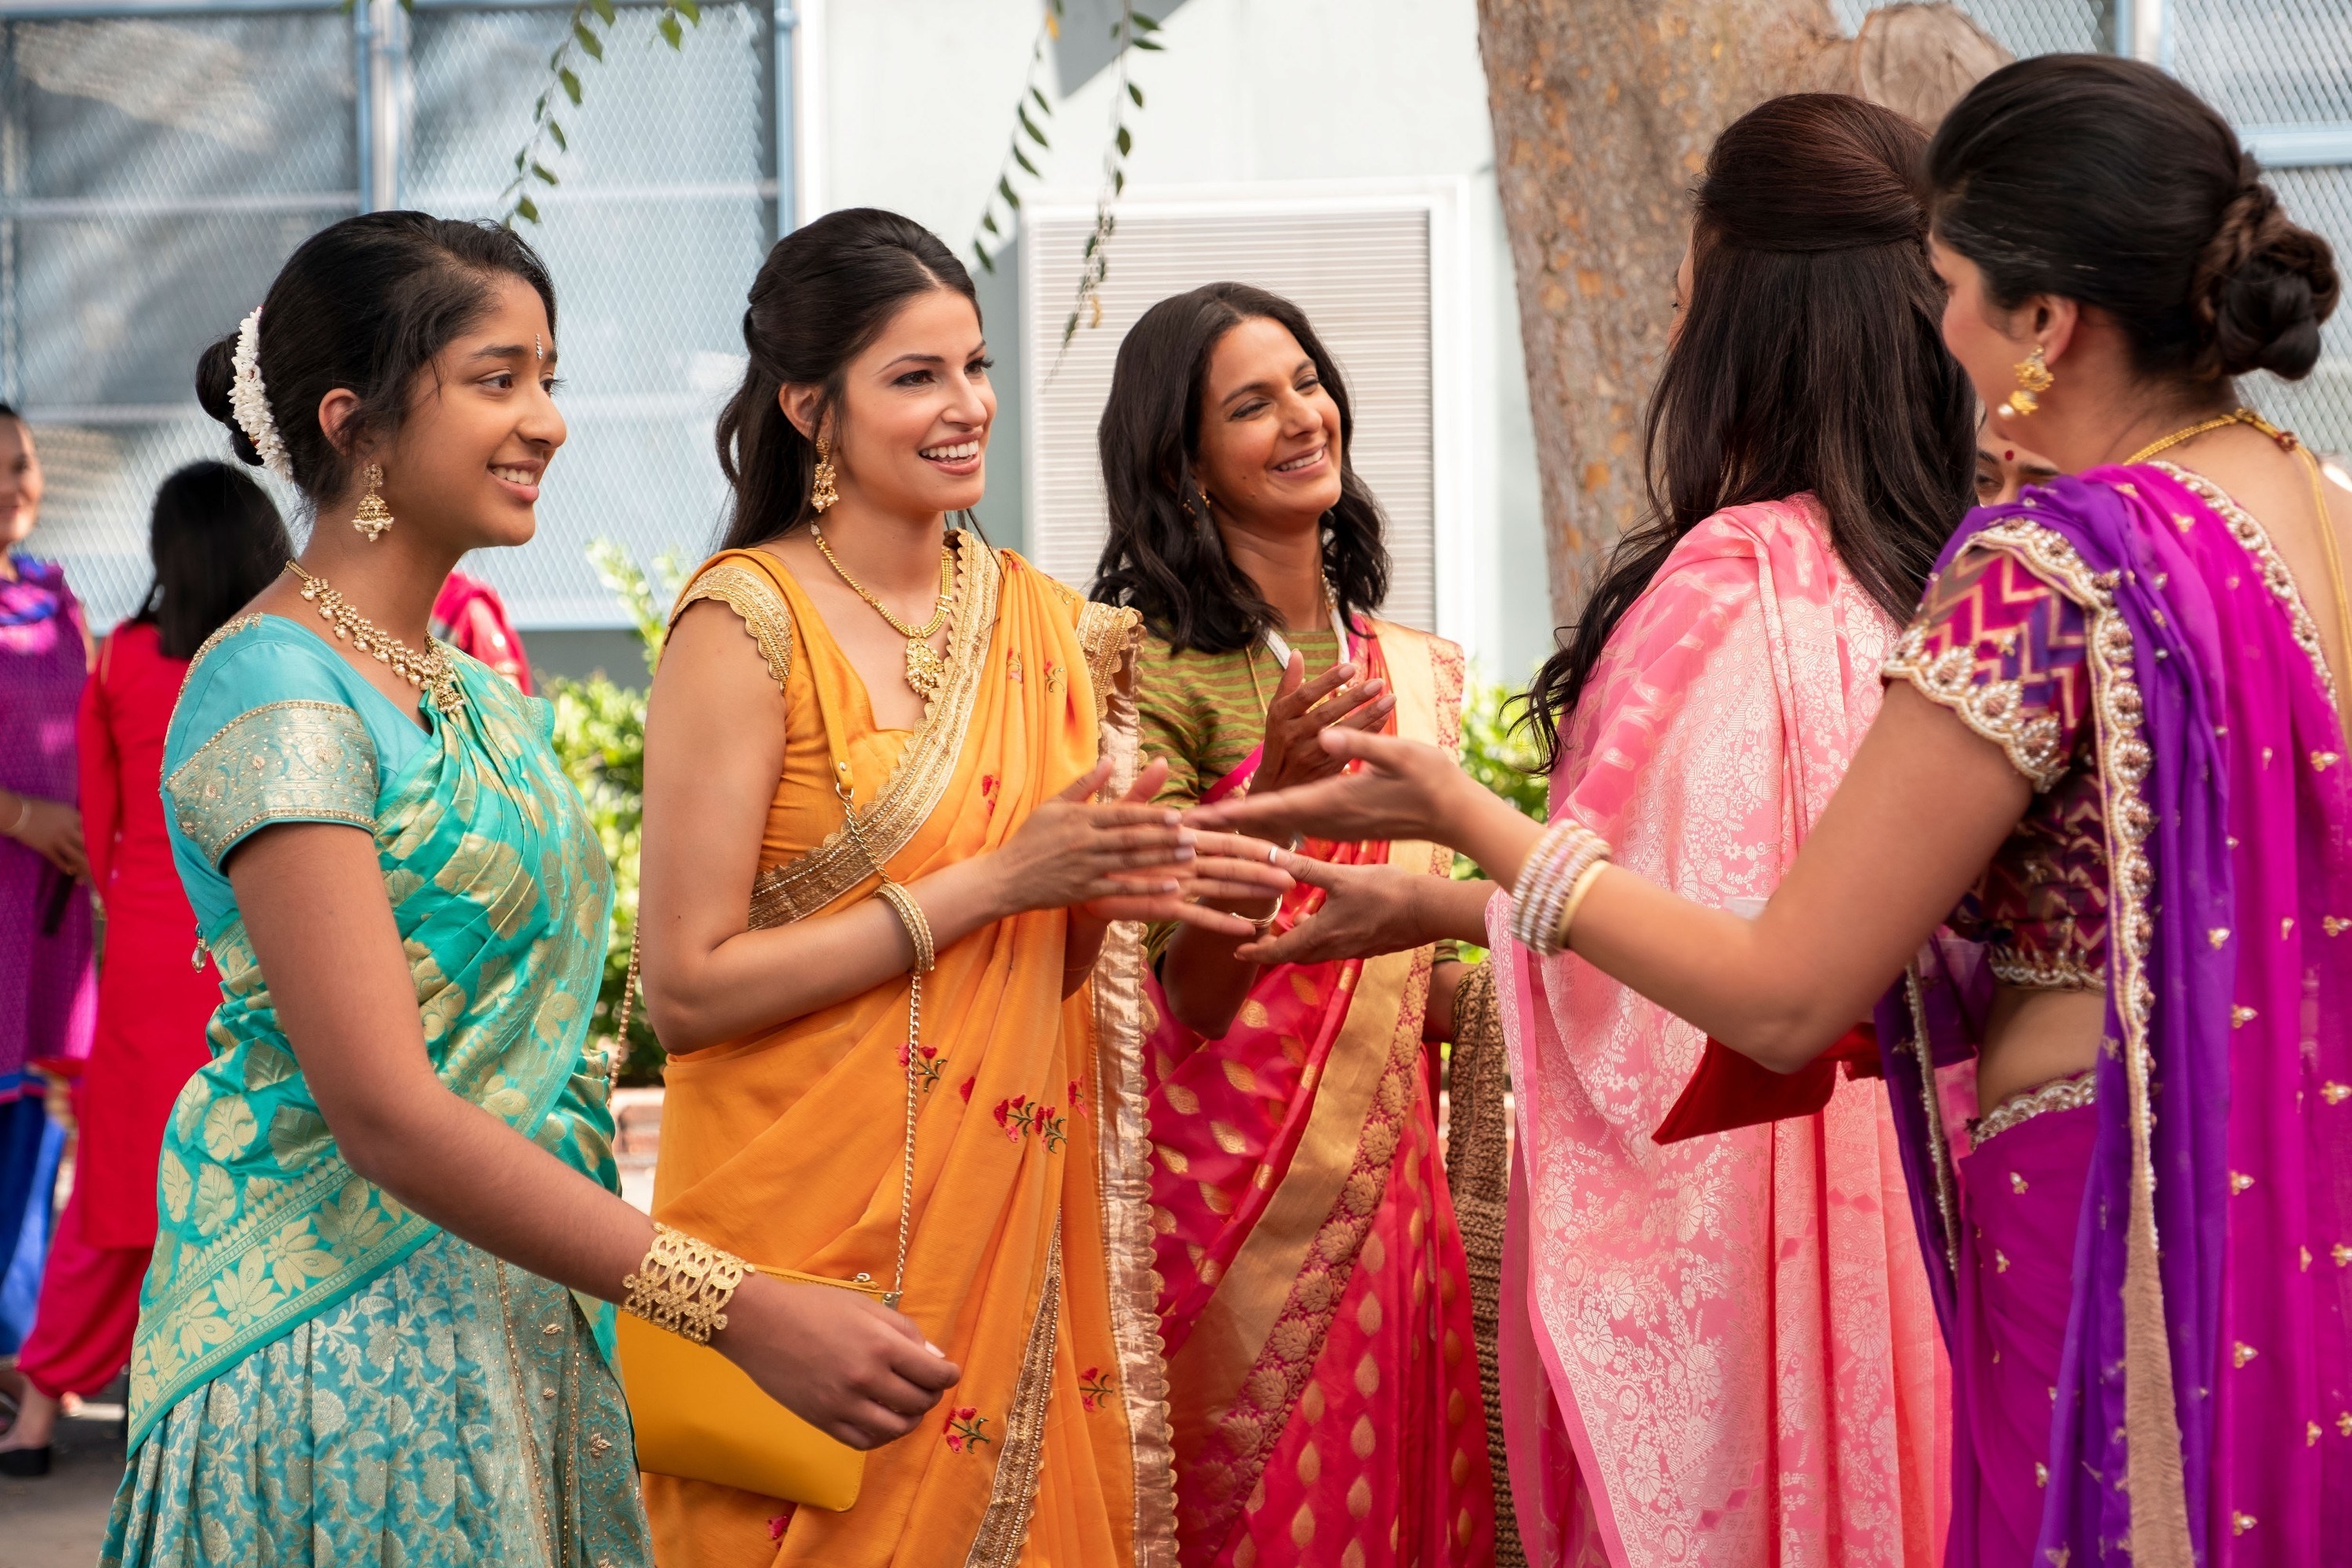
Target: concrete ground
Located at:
point(59, 1520)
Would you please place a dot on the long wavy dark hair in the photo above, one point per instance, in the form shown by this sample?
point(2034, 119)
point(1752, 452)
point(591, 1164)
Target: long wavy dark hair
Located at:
point(1163, 556)
point(1811, 357)
point(823, 296)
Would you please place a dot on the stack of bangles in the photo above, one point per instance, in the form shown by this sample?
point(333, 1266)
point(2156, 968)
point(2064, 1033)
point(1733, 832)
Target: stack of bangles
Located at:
point(910, 915)
point(1560, 870)
point(684, 1284)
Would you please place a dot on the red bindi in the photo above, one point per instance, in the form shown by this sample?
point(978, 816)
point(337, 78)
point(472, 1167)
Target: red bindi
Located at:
point(2008, 457)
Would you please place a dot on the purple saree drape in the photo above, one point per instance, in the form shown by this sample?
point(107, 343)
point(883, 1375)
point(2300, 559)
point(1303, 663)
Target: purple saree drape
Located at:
point(2203, 1408)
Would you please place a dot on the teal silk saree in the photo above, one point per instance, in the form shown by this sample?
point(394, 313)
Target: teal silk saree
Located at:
point(320, 1374)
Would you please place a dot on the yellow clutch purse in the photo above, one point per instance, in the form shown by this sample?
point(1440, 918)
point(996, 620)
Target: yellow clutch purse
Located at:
point(700, 1417)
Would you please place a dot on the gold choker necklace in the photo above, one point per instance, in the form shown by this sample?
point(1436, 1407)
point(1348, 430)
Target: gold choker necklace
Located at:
point(432, 672)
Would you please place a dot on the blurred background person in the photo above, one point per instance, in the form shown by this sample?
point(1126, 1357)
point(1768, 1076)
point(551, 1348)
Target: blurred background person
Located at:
point(469, 616)
point(216, 541)
point(2003, 467)
point(46, 993)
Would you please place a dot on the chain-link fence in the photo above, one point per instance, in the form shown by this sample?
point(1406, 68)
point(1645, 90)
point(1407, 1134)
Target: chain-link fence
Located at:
point(2282, 71)
point(156, 170)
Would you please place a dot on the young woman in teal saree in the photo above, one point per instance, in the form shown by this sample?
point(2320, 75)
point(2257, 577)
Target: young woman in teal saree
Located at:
point(377, 1325)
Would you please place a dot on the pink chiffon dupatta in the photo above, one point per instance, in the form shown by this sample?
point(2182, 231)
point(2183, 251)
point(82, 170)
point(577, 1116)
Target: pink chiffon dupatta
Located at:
point(1728, 1353)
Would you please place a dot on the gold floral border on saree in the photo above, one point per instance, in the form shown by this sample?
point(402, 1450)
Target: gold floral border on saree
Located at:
point(1238, 1376)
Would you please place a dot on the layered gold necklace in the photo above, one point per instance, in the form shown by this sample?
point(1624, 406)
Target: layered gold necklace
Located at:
point(432, 672)
point(926, 670)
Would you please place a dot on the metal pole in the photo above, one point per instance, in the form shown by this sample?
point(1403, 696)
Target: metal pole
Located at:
point(380, 117)
point(2147, 31)
point(788, 216)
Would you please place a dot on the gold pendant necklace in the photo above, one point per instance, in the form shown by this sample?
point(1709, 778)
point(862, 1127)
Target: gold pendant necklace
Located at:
point(2284, 438)
point(926, 670)
point(432, 672)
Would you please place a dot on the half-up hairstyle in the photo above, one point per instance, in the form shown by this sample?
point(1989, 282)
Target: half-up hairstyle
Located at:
point(2104, 181)
point(1810, 357)
point(823, 296)
point(217, 541)
point(1163, 556)
point(364, 305)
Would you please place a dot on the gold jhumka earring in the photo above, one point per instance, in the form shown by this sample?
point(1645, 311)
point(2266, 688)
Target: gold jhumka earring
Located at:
point(373, 517)
point(821, 491)
point(2034, 377)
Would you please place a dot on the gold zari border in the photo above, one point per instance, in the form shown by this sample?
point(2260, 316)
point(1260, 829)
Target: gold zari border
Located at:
point(1004, 1528)
point(2058, 1094)
point(2154, 1471)
point(798, 888)
point(756, 603)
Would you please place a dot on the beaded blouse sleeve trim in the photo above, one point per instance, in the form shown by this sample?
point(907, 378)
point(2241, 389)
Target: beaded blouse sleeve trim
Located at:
point(2005, 651)
point(283, 762)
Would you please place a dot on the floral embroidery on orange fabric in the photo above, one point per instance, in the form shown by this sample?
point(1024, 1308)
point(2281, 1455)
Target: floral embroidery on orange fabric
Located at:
point(1056, 677)
point(1078, 1097)
point(1012, 668)
point(776, 1525)
point(1094, 1388)
point(928, 1068)
point(988, 781)
point(1017, 1116)
point(965, 1088)
point(964, 1429)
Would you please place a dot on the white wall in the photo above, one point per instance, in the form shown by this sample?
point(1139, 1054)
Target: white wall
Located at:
point(913, 110)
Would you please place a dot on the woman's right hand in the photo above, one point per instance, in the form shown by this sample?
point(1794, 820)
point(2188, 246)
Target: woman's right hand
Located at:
point(52, 830)
point(847, 1364)
point(1074, 849)
point(1404, 790)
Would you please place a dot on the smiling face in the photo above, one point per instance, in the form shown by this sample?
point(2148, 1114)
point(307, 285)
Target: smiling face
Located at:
point(469, 460)
point(20, 482)
point(1269, 445)
point(910, 435)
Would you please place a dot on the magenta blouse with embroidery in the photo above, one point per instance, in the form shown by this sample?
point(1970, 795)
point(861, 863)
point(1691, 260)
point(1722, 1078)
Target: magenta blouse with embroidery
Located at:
point(2007, 651)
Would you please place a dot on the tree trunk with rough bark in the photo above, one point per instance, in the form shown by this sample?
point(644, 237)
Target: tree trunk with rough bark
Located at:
point(1603, 113)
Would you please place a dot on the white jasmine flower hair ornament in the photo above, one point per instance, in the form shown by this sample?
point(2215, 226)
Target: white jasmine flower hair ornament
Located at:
point(249, 401)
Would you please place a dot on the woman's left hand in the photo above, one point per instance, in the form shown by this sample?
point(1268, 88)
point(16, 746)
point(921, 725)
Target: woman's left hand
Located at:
point(1302, 710)
point(1401, 792)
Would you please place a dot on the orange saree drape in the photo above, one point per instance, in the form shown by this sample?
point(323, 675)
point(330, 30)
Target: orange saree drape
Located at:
point(1029, 1260)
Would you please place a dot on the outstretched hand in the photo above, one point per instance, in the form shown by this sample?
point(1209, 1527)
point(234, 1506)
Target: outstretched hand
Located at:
point(1398, 791)
point(1366, 910)
point(1202, 870)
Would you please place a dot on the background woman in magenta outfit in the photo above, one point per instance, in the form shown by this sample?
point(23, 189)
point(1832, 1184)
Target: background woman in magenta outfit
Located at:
point(216, 541)
point(46, 992)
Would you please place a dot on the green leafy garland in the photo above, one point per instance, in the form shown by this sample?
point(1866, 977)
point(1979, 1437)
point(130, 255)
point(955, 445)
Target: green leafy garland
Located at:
point(579, 38)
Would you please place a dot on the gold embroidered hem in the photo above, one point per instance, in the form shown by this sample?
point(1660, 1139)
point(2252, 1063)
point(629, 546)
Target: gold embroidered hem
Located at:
point(785, 893)
point(2058, 1094)
point(1478, 1176)
point(1004, 1528)
point(2063, 971)
point(2275, 575)
point(1996, 709)
point(284, 762)
point(756, 603)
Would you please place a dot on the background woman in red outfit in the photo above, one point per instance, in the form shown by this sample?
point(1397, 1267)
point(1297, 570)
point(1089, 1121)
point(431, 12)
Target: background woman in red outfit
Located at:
point(216, 541)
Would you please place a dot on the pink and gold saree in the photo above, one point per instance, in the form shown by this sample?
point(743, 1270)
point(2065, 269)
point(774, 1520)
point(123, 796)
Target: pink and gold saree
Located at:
point(1728, 1353)
point(1323, 1378)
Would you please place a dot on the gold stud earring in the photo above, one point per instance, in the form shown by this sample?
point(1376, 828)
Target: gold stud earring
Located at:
point(2034, 377)
point(373, 517)
point(821, 491)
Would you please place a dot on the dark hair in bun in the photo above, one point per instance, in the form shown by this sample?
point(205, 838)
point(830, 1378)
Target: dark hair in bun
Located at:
point(364, 304)
point(2104, 181)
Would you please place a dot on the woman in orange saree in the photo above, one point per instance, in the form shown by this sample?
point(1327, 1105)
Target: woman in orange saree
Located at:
point(1314, 1300)
point(968, 751)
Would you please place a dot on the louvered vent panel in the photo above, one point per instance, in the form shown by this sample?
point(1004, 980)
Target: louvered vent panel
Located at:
point(1362, 276)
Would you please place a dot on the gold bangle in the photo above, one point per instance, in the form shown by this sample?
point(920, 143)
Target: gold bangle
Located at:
point(910, 915)
point(1584, 881)
point(684, 1284)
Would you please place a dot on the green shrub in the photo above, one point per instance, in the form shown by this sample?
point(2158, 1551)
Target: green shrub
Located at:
point(600, 737)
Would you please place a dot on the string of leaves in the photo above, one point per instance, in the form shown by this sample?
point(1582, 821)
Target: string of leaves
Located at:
point(581, 39)
point(1131, 32)
point(1030, 111)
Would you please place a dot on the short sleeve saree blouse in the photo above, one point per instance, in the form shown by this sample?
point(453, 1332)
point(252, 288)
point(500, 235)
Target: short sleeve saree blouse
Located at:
point(2006, 649)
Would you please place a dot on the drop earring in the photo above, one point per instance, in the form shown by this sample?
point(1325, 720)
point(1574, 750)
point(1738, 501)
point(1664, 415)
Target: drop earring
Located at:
point(2034, 377)
point(372, 516)
point(822, 493)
